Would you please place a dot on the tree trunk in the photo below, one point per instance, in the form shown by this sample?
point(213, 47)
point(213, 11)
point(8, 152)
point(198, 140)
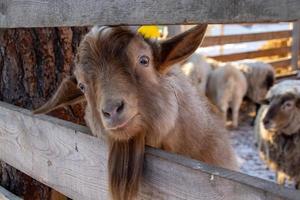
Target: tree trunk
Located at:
point(32, 64)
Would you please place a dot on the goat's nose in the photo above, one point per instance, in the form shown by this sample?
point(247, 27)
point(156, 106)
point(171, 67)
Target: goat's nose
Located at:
point(112, 108)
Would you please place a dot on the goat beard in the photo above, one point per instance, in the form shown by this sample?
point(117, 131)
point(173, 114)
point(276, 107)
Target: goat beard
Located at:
point(125, 166)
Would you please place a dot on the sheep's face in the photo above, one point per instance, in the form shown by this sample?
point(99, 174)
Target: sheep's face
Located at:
point(267, 83)
point(280, 112)
point(260, 78)
point(262, 86)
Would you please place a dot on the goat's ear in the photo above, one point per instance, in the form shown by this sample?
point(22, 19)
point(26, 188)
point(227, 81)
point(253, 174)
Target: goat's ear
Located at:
point(180, 47)
point(67, 94)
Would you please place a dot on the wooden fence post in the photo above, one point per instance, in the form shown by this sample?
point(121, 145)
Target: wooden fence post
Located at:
point(295, 44)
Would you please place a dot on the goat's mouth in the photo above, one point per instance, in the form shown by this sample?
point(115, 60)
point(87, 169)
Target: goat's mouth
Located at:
point(127, 129)
point(122, 125)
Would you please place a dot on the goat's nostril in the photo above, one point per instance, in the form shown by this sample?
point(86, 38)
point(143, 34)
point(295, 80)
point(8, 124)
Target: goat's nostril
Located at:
point(120, 107)
point(113, 109)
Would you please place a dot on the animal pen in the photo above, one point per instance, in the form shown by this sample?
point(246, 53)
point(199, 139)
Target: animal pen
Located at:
point(65, 157)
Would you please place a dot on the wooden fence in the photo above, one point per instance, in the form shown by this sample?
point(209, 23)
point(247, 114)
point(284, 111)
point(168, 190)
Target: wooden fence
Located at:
point(292, 52)
point(63, 155)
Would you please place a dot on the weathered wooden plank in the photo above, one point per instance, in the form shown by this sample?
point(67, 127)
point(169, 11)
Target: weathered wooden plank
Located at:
point(290, 76)
point(238, 38)
point(6, 195)
point(281, 63)
point(251, 54)
point(295, 44)
point(45, 13)
point(62, 155)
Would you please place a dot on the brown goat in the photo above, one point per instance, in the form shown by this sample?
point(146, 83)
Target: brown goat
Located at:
point(135, 97)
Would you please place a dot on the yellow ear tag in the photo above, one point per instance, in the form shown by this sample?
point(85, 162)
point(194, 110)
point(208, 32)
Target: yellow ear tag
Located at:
point(149, 32)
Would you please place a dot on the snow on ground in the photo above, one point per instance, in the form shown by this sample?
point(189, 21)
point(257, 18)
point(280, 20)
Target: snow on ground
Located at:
point(249, 161)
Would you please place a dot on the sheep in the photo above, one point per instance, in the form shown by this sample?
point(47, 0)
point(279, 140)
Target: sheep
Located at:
point(226, 88)
point(260, 78)
point(197, 68)
point(136, 94)
point(277, 131)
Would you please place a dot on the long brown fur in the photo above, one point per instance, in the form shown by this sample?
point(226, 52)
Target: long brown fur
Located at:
point(126, 165)
point(165, 110)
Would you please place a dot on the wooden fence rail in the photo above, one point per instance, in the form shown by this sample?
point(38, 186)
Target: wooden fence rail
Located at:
point(63, 156)
point(292, 51)
point(282, 62)
point(6, 195)
point(45, 13)
point(239, 38)
point(252, 54)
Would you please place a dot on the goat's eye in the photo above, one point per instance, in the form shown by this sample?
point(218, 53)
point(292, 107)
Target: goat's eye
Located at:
point(144, 60)
point(81, 87)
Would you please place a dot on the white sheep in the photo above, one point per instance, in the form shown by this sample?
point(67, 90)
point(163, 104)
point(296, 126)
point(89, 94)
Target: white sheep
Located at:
point(277, 131)
point(197, 68)
point(226, 88)
point(260, 78)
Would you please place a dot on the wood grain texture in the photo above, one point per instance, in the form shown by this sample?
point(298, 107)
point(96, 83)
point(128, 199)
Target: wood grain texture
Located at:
point(6, 195)
point(62, 155)
point(251, 54)
point(50, 13)
point(289, 76)
point(33, 61)
point(281, 63)
point(238, 38)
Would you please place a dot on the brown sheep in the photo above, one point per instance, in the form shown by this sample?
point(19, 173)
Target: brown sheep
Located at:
point(278, 131)
point(136, 95)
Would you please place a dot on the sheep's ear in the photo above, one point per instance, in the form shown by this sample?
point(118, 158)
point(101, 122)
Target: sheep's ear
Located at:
point(180, 47)
point(265, 102)
point(67, 94)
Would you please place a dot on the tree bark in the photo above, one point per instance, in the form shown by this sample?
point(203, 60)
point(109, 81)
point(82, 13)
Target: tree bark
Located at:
point(32, 64)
